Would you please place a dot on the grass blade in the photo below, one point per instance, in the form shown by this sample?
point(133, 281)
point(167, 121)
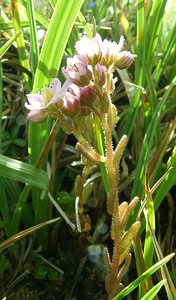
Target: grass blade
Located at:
point(4, 209)
point(7, 45)
point(19, 171)
point(4, 245)
point(138, 186)
point(169, 286)
point(127, 290)
point(154, 291)
point(33, 35)
point(154, 28)
point(148, 244)
point(20, 40)
point(168, 182)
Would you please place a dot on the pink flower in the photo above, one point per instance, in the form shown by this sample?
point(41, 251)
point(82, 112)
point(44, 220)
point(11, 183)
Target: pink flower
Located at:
point(71, 101)
point(77, 99)
point(77, 72)
point(89, 50)
point(112, 55)
point(38, 104)
point(110, 50)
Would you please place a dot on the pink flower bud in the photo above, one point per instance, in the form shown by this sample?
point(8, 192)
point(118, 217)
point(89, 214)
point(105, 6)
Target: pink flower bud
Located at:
point(37, 116)
point(71, 101)
point(77, 72)
point(87, 95)
point(123, 60)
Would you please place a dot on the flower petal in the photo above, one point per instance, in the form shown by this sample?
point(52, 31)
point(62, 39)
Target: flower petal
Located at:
point(34, 98)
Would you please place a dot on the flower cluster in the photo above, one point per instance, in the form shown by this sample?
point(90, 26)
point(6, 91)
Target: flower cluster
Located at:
point(86, 76)
point(87, 93)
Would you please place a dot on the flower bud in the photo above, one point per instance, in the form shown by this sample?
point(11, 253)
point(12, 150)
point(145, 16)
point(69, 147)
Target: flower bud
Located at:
point(123, 60)
point(87, 95)
point(100, 74)
point(77, 72)
point(85, 110)
point(37, 116)
point(71, 101)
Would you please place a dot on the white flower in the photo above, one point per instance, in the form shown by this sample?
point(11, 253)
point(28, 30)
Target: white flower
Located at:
point(89, 50)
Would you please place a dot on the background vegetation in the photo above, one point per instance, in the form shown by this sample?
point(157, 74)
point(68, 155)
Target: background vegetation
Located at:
point(56, 262)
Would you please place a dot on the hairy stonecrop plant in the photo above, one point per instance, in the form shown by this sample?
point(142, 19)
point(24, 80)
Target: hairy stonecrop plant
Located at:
point(85, 97)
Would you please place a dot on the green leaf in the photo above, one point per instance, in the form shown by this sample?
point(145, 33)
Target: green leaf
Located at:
point(168, 182)
point(138, 186)
point(55, 41)
point(169, 286)
point(127, 290)
point(19, 171)
point(33, 35)
point(18, 11)
point(7, 243)
point(154, 291)
point(7, 45)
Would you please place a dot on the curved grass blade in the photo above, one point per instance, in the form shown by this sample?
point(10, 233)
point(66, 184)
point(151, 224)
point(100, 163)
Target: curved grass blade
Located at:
point(4, 245)
point(154, 291)
point(60, 210)
point(7, 45)
point(169, 286)
point(127, 290)
point(19, 171)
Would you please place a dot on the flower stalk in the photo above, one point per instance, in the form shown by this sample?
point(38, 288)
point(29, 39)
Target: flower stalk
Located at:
point(83, 100)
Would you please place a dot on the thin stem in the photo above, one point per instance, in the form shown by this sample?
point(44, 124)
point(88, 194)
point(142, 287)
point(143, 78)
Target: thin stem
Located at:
point(110, 155)
point(47, 147)
point(112, 281)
